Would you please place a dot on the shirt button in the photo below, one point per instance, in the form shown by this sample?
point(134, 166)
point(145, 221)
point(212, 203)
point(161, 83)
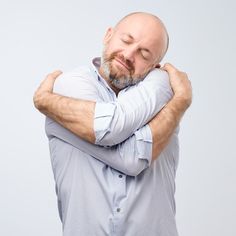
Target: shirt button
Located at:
point(118, 209)
point(120, 176)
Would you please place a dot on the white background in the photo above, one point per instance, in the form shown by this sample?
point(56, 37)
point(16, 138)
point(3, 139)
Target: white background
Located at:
point(37, 37)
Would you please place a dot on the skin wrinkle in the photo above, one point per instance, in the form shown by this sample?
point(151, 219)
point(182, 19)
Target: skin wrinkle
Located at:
point(159, 21)
point(120, 82)
point(77, 115)
point(132, 48)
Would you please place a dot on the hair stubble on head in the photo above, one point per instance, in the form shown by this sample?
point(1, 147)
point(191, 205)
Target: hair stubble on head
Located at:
point(124, 81)
point(159, 22)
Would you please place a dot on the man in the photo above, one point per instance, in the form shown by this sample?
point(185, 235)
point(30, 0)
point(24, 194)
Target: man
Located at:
point(113, 139)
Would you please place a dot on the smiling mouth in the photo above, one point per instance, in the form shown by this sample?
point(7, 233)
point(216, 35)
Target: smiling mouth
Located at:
point(123, 64)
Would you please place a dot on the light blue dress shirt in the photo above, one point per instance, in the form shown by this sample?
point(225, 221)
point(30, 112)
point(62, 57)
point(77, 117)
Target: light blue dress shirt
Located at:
point(112, 188)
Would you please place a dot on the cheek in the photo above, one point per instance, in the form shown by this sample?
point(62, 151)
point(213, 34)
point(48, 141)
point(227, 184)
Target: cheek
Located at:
point(140, 68)
point(113, 46)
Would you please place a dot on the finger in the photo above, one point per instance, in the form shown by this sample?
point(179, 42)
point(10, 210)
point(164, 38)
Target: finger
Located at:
point(54, 75)
point(169, 68)
point(48, 82)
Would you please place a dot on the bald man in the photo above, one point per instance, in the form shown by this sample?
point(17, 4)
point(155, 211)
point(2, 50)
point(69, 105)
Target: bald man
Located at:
point(113, 134)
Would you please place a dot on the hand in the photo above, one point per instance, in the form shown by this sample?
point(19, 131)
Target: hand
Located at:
point(45, 88)
point(180, 84)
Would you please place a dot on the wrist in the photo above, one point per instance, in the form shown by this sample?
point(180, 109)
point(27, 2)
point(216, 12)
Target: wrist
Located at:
point(182, 102)
point(41, 100)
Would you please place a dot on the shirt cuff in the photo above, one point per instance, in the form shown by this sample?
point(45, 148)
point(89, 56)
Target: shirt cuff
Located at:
point(103, 116)
point(144, 143)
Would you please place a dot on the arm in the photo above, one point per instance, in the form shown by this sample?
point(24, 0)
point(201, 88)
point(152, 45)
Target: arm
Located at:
point(181, 100)
point(107, 123)
point(164, 123)
point(134, 108)
point(130, 157)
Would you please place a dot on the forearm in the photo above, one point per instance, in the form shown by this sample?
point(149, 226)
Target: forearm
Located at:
point(104, 123)
point(129, 157)
point(74, 114)
point(164, 123)
point(132, 110)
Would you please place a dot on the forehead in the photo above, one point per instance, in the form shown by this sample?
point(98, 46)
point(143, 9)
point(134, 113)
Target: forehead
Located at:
point(144, 29)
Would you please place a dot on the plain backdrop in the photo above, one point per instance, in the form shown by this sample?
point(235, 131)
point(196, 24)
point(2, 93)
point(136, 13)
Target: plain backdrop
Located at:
point(37, 37)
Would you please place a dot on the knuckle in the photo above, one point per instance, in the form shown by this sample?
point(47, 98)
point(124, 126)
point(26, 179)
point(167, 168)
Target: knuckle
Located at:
point(185, 74)
point(50, 76)
point(178, 73)
point(168, 64)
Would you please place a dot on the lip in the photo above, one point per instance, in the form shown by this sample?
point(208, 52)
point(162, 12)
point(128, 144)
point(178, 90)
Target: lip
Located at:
point(124, 65)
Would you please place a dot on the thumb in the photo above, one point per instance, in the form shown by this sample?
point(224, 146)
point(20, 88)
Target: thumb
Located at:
point(52, 76)
point(169, 68)
point(56, 73)
point(48, 82)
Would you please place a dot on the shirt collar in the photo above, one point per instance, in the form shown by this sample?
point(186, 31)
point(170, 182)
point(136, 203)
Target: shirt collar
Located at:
point(96, 63)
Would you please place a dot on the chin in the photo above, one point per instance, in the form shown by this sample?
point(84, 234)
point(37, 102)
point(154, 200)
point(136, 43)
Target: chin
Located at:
point(118, 72)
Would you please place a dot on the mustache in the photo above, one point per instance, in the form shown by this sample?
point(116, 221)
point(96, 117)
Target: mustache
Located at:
point(128, 63)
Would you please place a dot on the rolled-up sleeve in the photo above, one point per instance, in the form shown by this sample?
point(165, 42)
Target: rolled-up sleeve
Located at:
point(103, 116)
point(116, 121)
point(144, 143)
point(130, 157)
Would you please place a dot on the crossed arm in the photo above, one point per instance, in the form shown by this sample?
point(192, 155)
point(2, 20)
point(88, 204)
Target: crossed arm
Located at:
point(78, 115)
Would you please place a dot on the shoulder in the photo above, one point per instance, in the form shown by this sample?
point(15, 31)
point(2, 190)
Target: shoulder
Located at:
point(78, 83)
point(155, 79)
point(77, 73)
point(157, 76)
point(77, 77)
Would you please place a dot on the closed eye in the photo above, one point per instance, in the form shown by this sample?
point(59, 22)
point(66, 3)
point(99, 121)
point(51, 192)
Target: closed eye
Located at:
point(144, 54)
point(125, 41)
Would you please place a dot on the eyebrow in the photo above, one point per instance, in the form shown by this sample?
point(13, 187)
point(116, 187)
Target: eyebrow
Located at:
point(144, 49)
point(129, 35)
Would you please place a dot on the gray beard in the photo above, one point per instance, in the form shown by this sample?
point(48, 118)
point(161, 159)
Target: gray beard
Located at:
point(120, 82)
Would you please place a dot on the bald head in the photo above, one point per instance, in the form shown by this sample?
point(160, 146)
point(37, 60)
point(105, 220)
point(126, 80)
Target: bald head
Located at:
point(141, 14)
point(156, 26)
point(132, 48)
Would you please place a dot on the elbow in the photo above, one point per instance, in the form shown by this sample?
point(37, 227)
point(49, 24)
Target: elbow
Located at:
point(108, 136)
point(107, 141)
point(134, 172)
point(109, 120)
point(136, 167)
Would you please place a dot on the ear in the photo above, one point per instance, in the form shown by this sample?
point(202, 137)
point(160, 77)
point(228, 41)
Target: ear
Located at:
point(108, 35)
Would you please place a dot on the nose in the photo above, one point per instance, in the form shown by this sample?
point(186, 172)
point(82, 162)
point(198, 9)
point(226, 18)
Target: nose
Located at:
point(129, 53)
